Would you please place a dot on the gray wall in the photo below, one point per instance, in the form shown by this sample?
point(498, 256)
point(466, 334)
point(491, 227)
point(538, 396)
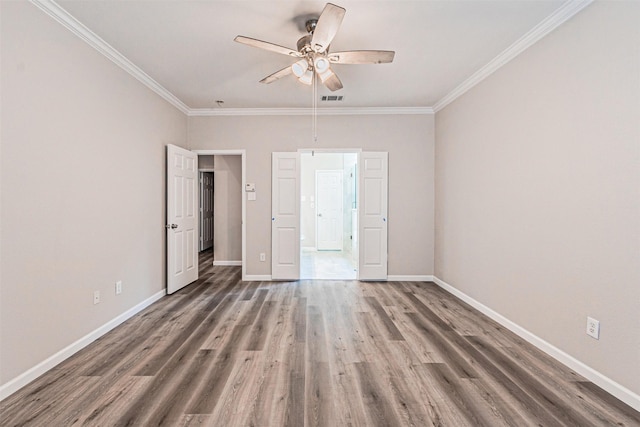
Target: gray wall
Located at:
point(227, 199)
point(82, 188)
point(538, 189)
point(409, 139)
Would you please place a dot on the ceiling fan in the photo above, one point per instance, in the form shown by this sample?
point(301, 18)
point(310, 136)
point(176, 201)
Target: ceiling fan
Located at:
point(313, 51)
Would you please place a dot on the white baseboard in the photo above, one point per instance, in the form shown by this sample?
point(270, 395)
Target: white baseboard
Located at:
point(257, 277)
point(621, 392)
point(227, 262)
point(25, 378)
point(392, 278)
point(409, 278)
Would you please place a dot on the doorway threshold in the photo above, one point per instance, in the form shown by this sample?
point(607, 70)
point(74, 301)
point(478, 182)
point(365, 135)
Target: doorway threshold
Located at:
point(326, 265)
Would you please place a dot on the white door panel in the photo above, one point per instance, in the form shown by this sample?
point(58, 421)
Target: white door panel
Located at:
point(373, 216)
point(285, 216)
point(329, 212)
point(182, 221)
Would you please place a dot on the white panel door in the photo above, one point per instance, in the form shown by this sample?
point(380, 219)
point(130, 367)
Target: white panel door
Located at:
point(373, 216)
point(182, 220)
point(329, 213)
point(285, 216)
point(206, 210)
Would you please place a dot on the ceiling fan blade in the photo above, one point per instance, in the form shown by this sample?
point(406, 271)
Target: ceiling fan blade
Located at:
point(327, 27)
point(333, 83)
point(362, 57)
point(267, 46)
point(277, 75)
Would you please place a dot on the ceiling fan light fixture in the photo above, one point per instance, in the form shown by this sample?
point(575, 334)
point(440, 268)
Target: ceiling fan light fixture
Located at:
point(321, 64)
point(300, 68)
point(307, 77)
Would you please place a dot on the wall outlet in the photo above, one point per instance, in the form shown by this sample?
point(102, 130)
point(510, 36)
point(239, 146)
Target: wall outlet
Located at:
point(593, 328)
point(118, 287)
point(96, 297)
point(263, 257)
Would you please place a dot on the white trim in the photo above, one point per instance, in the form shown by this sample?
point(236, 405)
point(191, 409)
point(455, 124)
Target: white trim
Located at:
point(409, 278)
point(25, 378)
point(330, 150)
point(257, 278)
point(55, 11)
point(195, 112)
point(227, 263)
point(627, 396)
point(206, 170)
point(553, 21)
point(243, 154)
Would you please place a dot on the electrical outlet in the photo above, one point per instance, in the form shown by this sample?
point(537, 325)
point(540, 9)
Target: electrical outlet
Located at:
point(263, 257)
point(593, 328)
point(118, 287)
point(96, 297)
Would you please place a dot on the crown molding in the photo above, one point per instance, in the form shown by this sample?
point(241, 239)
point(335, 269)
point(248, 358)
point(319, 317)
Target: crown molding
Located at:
point(55, 11)
point(561, 15)
point(202, 112)
point(553, 21)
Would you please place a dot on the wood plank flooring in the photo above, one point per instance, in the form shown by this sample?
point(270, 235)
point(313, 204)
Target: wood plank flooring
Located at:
point(223, 352)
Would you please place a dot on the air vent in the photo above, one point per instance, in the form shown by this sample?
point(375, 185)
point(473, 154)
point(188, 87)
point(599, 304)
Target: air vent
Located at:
point(332, 98)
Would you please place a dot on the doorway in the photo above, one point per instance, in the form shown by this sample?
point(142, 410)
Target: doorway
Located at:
point(328, 215)
point(229, 210)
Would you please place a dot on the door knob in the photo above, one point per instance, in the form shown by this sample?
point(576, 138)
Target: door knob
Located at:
point(319, 214)
point(171, 226)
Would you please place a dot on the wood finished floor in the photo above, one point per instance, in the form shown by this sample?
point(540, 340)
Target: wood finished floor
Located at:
point(223, 352)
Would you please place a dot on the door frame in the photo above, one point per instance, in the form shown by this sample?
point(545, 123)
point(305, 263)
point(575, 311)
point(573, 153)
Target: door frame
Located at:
point(243, 154)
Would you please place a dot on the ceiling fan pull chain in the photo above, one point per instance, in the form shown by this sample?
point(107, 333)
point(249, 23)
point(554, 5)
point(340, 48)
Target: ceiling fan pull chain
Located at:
point(314, 104)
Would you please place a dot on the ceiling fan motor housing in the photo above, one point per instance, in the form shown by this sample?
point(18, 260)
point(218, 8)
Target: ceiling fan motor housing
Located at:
point(310, 25)
point(304, 44)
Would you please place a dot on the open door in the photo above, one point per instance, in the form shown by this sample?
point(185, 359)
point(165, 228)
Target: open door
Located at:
point(182, 220)
point(285, 216)
point(373, 216)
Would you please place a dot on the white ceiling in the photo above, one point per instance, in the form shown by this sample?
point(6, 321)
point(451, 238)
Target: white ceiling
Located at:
point(187, 46)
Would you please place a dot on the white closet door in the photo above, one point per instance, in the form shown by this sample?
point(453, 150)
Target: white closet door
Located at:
point(373, 216)
point(182, 219)
point(285, 216)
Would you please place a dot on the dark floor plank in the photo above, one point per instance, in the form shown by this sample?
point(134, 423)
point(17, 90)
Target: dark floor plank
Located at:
point(455, 358)
point(261, 327)
point(378, 405)
point(455, 392)
point(392, 330)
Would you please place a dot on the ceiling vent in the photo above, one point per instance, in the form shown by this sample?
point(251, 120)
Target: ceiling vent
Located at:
point(332, 98)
